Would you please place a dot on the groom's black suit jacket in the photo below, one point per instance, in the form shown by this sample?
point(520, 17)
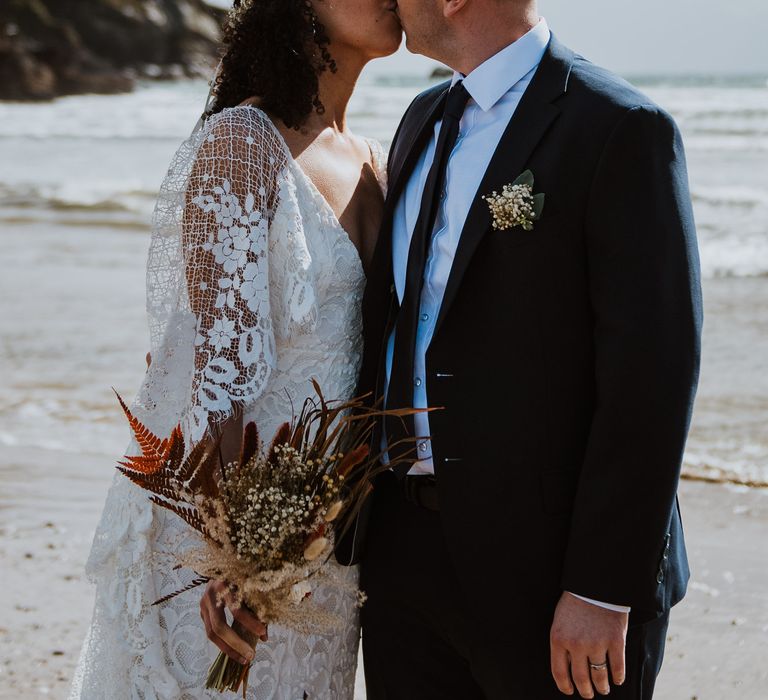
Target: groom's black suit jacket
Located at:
point(565, 358)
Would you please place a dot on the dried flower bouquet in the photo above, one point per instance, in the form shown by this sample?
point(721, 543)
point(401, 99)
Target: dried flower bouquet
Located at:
point(267, 521)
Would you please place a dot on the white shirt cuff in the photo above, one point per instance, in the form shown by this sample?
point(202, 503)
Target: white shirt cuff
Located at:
point(608, 606)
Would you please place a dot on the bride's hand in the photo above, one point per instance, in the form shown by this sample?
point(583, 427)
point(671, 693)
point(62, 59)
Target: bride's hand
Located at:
point(217, 629)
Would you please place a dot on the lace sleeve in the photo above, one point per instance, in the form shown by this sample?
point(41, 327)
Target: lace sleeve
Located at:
point(231, 197)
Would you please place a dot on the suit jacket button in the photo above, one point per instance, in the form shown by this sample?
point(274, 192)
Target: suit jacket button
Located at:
point(660, 576)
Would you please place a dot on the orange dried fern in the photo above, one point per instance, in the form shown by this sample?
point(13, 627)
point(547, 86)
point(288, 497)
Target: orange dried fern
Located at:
point(151, 445)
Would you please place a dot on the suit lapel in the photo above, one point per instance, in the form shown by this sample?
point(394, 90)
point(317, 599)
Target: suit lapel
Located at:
point(531, 120)
point(411, 143)
point(408, 145)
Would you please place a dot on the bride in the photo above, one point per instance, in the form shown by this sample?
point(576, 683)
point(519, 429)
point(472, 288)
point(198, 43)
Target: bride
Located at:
point(262, 234)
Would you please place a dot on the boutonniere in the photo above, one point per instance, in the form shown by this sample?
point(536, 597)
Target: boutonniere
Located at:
point(517, 205)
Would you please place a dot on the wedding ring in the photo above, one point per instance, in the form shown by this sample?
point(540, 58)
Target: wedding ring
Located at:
point(599, 667)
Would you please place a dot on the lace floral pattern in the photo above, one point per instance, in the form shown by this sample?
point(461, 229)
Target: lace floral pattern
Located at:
point(253, 289)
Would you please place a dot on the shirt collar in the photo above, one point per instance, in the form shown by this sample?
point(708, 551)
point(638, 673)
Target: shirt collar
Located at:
point(496, 76)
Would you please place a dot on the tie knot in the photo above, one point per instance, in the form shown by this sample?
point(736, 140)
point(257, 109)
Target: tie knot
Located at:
point(457, 101)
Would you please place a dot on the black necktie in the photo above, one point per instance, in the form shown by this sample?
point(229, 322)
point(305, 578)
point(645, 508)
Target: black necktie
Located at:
point(401, 381)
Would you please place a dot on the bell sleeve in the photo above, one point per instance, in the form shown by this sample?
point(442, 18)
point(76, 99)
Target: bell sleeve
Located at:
point(230, 200)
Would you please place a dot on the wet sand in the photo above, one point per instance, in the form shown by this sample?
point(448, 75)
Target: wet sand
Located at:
point(717, 640)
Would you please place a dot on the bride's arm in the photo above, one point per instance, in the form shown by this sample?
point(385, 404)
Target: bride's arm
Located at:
point(230, 198)
point(229, 203)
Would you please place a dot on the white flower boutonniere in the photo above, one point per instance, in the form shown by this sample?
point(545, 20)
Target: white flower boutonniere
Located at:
point(517, 205)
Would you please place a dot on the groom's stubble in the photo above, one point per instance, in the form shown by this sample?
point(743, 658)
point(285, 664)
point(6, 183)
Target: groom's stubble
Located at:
point(464, 33)
point(424, 26)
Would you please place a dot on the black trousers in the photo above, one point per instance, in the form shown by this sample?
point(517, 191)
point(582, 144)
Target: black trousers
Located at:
point(419, 641)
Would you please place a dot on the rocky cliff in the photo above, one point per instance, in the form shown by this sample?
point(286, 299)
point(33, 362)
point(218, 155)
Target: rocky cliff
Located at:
point(60, 47)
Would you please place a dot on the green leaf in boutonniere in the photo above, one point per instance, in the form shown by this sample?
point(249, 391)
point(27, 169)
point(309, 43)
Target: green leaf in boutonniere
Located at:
point(517, 205)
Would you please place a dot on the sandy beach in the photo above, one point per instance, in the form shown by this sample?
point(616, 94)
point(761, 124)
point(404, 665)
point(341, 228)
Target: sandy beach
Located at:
point(50, 500)
point(715, 650)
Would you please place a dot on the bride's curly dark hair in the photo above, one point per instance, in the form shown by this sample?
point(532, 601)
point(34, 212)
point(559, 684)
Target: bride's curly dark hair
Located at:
point(274, 50)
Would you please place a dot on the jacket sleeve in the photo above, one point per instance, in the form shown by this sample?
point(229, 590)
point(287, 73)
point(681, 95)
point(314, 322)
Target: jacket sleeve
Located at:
point(645, 293)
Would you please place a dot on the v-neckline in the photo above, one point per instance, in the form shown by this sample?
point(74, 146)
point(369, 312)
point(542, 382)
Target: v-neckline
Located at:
point(315, 190)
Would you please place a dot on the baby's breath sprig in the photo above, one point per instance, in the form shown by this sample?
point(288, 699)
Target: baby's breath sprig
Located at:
point(517, 205)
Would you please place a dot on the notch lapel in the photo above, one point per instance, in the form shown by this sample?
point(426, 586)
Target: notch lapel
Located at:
point(408, 144)
point(530, 122)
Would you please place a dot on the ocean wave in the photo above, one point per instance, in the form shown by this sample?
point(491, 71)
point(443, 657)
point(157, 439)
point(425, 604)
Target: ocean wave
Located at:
point(28, 198)
point(43, 134)
point(744, 112)
point(166, 110)
point(74, 222)
point(730, 196)
point(80, 197)
point(723, 259)
point(732, 222)
point(731, 130)
point(725, 145)
point(723, 82)
point(731, 462)
point(97, 161)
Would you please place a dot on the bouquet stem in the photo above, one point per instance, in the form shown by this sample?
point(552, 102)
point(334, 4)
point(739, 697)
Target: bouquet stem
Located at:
point(228, 674)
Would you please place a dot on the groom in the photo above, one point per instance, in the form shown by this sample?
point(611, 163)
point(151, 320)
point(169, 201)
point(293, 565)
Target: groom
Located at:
point(535, 548)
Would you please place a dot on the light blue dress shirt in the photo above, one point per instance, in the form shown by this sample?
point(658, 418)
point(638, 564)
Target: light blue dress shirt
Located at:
point(495, 88)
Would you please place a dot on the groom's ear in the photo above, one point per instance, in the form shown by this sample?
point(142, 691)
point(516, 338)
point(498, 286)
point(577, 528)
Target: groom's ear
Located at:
point(451, 8)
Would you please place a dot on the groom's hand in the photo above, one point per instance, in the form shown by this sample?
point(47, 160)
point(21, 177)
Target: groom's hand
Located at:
point(212, 604)
point(583, 633)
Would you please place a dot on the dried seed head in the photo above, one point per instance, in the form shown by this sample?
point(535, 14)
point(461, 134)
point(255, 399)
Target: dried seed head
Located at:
point(315, 548)
point(333, 511)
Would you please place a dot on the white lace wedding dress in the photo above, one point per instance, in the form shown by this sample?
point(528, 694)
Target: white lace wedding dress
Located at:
point(253, 288)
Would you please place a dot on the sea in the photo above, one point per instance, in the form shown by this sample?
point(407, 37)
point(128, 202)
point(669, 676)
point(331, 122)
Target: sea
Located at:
point(78, 181)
